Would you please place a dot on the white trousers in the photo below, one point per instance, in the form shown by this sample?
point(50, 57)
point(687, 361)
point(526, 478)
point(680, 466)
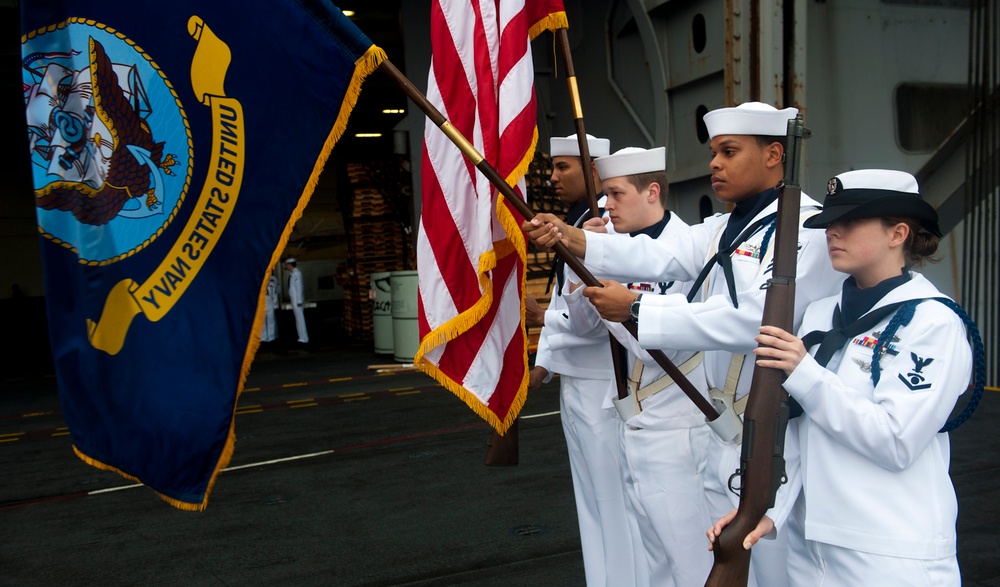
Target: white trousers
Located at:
point(609, 558)
point(270, 329)
point(832, 566)
point(769, 557)
point(300, 323)
point(664, 480)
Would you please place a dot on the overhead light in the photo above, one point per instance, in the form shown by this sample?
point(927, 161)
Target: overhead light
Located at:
point(348, 13)
point(393, 111)
point(368, 135)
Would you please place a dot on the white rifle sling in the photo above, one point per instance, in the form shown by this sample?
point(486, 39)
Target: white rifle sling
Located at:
point(728, 425)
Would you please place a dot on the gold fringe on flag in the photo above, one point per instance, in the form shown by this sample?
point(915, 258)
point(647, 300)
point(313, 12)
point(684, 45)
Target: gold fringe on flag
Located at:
point(364, 66)
point(556, 20)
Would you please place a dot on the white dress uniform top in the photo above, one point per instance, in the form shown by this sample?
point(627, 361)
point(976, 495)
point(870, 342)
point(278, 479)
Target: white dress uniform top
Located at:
point(879, 506)
point(875, 468)
point(270, 329)
point(663, 447)
point(585, 368)
point(712, 322)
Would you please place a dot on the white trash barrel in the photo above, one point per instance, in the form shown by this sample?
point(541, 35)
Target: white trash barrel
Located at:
point(405, 329)
point(380, 293)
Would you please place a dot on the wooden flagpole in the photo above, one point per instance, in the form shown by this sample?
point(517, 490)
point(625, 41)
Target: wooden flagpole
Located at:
point(503, 449)
point(524, 210)
point(562, 38)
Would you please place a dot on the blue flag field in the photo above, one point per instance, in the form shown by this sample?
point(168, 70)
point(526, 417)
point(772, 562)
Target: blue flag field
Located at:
point(173, 147)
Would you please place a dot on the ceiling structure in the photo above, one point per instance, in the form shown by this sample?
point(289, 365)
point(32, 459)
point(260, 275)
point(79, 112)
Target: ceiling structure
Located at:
point(380, 20)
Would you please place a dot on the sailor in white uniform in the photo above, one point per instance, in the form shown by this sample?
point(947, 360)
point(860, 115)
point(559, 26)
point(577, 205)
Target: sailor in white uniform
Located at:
point(890, 360)
point(585, 369)
point(663, 436)
point(728, 256)
point(296, 298)
point(269, 331)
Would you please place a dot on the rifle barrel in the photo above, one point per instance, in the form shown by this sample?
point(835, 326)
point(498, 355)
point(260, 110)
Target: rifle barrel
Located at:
point(761, 458)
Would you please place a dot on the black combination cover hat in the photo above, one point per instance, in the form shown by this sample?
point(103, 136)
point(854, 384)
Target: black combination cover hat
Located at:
point(874, 193)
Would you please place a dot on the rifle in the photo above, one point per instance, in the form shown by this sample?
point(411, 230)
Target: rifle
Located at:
point(435, 116)
point(762, 462)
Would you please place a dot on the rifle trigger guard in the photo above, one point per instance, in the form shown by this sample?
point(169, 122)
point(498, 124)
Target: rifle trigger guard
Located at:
point(737, 475)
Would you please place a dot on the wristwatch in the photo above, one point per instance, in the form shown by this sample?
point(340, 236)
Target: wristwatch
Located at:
point(634, 308)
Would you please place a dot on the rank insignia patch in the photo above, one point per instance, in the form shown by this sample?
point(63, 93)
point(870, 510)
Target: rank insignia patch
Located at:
point(915, 379)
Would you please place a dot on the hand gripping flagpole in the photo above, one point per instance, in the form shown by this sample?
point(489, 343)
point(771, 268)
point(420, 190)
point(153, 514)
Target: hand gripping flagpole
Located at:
point(524, 210)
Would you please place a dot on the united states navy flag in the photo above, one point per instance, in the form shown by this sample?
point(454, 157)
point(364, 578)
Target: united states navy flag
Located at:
point(173, 147)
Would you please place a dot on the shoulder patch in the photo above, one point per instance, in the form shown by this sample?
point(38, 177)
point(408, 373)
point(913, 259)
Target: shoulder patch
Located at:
point(915, 380)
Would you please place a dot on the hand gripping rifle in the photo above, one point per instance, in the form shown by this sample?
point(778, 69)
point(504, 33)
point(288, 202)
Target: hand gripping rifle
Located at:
point(491, 174)
point(762, 462)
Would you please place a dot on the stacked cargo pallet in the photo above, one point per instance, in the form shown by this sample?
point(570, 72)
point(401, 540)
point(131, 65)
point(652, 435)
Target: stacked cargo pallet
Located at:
point(376, 239)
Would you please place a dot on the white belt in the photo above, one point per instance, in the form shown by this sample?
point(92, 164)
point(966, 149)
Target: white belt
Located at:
point(728, 425)
point(630, 405)
point(663, 382)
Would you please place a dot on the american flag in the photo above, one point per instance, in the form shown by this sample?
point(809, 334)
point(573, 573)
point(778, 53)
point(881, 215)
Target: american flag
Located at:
point(470, 249)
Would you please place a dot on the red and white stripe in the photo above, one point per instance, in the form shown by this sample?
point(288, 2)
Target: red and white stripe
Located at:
point(470, 249)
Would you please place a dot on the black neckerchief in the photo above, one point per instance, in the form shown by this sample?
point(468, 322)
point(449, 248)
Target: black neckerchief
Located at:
point(577, 214)
point(747, 210)
point(856, 318)
point(654, 230)
point(855, 301)
point(744, 212)
point(577, 211)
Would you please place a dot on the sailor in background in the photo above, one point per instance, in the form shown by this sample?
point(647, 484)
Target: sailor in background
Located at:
point(728, 256)
point(269, 330)
point(585, 369)
point(296, 299)
point(569, 185)
point(662, 435)
point(890, 360)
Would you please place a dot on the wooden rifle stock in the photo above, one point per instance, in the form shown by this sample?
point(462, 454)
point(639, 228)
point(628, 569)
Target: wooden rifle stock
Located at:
point(524, 210)
point(762, 463)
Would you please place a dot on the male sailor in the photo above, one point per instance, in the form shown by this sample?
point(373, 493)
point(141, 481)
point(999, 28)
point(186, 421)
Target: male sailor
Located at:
point(728, 256)
point(585, 370)
point(663, 438)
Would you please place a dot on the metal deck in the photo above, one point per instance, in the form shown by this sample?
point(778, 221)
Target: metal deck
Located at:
point(345, 477)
